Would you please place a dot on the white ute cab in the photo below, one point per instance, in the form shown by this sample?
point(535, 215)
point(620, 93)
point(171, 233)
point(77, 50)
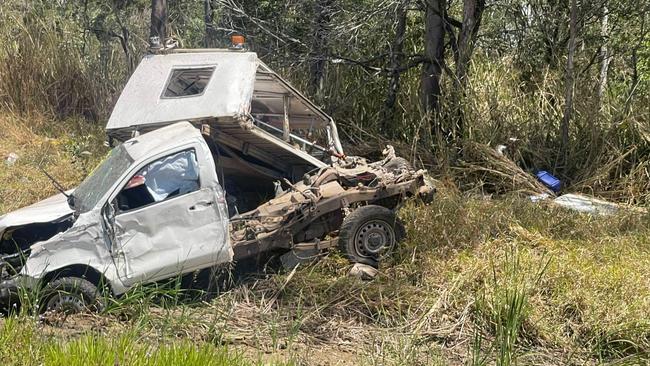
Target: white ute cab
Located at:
point(216, 158)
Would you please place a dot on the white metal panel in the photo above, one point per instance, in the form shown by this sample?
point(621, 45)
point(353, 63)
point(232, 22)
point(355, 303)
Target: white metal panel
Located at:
point(162, 139)
point(228, 92)
point(171, 237)
point(179, 234)
point(50, 209)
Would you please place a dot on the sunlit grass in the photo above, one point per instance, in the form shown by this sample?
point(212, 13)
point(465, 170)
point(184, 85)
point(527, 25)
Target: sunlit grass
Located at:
point(23, 344)
point(451, 282)
point(593, 290)
point(67, 150)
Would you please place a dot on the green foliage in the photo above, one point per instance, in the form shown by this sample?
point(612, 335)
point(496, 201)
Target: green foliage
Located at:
point(66, 60)
point(22, 344)
point(72, 59)
point(537, 275)
point(510, 281)
point(504, 305)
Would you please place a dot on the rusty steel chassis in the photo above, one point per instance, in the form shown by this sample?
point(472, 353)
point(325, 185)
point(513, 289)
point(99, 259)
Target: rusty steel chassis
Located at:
point(330, 209)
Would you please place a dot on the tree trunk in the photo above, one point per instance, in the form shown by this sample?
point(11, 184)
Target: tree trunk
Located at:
point(124, 42)
point(208, 22)
point(604, 55)
point(551, 31)
point(434, 36)
point(634, 63)
point(472, 15)
point(570, 80)
point(396, 61)
point(158, 21)
point(323, 11)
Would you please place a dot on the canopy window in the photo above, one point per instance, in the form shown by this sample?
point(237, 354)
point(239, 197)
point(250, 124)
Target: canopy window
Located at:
point(188, 82)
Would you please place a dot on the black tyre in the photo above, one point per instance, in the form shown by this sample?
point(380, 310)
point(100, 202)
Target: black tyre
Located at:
point(369, 234)
point(71, 295)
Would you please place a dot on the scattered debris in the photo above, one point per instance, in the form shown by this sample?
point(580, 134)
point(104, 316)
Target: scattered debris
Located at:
point(500, 149)
point(510, 147)
point(549, 180)
point(495, 172)
point(293, 258)
point(583, 203)
point(587, 204)
point(539, 197)
point(11, 159)
point(363, 271)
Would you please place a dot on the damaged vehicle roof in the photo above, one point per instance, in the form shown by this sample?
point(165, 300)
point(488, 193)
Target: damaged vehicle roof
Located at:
point(234, 91)
point(232, 80)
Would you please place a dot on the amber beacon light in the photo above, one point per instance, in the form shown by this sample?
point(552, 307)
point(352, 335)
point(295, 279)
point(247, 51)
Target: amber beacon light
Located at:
point(237, 41)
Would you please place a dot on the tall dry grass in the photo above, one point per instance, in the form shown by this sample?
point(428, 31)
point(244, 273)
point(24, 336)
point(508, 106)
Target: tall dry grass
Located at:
point(609, 149)
point(52, 64)
point(476, 282)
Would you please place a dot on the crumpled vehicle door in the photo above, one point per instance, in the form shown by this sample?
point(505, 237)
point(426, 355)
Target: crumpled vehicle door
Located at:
point(171, 219)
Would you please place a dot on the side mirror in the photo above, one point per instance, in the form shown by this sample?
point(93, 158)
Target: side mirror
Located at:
point(109, 212)
point(108, 219)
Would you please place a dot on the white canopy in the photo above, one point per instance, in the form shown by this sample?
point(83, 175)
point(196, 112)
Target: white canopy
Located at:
point(232, 80)
point(222, 88)
point(228, 91)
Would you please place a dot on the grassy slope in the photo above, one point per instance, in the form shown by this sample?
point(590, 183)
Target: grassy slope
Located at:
point(66, 150)
point(476, 280)
point(24, 345)
point(585, 281)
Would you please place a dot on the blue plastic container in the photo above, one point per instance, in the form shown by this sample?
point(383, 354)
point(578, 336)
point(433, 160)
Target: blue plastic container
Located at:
point(548, 180)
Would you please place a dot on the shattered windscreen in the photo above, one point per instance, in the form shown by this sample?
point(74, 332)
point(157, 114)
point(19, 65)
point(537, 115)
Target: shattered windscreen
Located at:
point(87, 195)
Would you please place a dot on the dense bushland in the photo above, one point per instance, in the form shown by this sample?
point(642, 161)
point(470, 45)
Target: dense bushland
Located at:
point(71, 59)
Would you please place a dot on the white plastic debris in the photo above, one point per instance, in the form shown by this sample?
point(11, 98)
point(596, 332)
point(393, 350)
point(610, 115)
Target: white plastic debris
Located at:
point(363, 271)
point(539, 197)
point(11, 159)
point(501, 149)
point(586, 204)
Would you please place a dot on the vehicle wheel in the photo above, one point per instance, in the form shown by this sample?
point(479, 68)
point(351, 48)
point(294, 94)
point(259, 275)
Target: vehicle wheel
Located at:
point(369, 234)
point(70, 295)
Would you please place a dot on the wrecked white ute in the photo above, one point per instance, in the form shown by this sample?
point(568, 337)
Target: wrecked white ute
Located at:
point(252, 167)
point(153, 209)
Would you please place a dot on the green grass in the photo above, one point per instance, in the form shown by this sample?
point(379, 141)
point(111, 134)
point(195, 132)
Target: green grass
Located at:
point(68, 150)
point(24, 344)
point(542, 277)
point(524, 283)
point(477, 281)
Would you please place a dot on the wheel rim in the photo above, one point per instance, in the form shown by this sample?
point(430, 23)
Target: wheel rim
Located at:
point(374, 239)
point(65, 303)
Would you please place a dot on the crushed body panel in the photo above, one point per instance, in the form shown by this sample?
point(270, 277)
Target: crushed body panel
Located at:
point(103, 241)
point(44, 211)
